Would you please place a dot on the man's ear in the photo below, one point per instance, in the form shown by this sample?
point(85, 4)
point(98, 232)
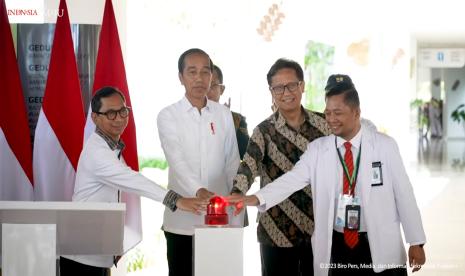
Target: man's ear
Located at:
point(181, 78)
point(94, 117)
point(358, 112)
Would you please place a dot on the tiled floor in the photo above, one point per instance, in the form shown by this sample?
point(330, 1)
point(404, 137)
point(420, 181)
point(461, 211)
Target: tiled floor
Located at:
point(439, 181)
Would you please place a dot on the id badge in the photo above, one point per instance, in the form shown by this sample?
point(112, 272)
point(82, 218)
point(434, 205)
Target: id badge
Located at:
point(342, 202)
point(376, 174)
point(352, 217)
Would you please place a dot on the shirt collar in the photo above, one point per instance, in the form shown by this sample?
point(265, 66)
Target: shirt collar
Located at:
point(355, 141)
point(208, 105)
point(111, 143)
point(281, 121)
point(187, 106)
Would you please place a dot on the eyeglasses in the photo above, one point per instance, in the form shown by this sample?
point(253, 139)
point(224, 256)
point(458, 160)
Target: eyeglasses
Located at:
point(111, 114)
point(278, 90)
point(215, 85)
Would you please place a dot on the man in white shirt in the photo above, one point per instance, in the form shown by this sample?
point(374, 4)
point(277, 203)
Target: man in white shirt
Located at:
point(361, 194)
point(199, 141)
point(102, 173)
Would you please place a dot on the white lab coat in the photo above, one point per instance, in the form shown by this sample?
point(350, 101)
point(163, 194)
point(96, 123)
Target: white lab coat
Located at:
point(385, 207)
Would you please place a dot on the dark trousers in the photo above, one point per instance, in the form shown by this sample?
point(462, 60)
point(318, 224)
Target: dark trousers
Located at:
point(179, 254)
point(289, 261)
point(356, 261)
point(71, 268)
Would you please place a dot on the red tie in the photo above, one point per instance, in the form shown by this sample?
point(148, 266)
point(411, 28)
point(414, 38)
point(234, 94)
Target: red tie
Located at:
point(350, 236)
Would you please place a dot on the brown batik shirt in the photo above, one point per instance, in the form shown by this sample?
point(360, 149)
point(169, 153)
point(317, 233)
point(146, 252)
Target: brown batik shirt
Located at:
point(274, 149)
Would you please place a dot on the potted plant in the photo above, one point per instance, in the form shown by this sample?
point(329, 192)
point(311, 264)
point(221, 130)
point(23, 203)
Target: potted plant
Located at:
point(458, 114)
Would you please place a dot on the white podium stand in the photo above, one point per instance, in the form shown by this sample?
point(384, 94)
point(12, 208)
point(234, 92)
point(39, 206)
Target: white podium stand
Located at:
point(35, 233)
point(218, 251)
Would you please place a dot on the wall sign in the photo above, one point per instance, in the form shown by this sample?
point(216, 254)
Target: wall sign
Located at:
point(441, 58)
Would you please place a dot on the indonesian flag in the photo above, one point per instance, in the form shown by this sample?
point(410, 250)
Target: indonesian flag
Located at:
point(59, 131)
point(110, 71)
point(15, 141)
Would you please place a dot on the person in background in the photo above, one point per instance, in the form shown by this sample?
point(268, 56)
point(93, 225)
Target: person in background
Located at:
point(435, 118)
point(284, 231)
point(216, 90)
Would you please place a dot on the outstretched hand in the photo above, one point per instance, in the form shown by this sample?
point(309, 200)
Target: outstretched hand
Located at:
point(194, 205)
point(240, 201)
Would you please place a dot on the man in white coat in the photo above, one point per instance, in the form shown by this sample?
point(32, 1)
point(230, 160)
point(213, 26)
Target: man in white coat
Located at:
point(361, 195)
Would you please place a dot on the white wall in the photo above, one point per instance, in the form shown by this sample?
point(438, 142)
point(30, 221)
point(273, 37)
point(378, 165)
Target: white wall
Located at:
point(158, 34)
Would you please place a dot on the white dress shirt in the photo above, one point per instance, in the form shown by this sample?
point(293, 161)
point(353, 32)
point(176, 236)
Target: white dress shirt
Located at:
point(99, 177)
point(201, 150)
point(356, 143)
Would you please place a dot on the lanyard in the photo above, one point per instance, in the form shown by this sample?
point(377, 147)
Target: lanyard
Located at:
point(352, 178)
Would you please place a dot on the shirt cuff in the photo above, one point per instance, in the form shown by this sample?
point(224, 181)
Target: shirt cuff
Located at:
point(171, 199)
point(261, 203)
point(421, 244)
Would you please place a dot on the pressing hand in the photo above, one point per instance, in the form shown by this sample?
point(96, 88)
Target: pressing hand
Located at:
point(240, 201)
point(204, 194)
point(194, 205)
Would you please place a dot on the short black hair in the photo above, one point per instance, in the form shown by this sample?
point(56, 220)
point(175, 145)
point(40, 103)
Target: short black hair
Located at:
point(104, 92)
point(218, 71)
point(283, 63)
point(342, 84)
point(182, 58)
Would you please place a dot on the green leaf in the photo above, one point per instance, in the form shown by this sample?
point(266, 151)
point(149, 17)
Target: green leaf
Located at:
point(159, 163)
point(458, 114)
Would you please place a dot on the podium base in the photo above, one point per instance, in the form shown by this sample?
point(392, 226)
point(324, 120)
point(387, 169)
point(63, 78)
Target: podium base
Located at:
point(29, 249)
point(218, 251)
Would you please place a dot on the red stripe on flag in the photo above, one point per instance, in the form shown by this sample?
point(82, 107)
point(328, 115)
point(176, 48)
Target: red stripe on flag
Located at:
point(13, 116)
point(62, 98)
point(110, 71)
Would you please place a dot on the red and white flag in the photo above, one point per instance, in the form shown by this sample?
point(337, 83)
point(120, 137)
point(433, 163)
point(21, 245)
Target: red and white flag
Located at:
point(110, 71)
point(59, 132)
point(15, 140)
